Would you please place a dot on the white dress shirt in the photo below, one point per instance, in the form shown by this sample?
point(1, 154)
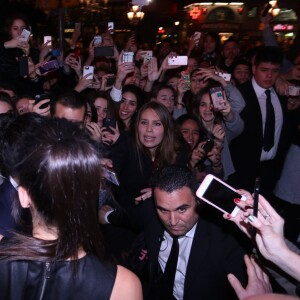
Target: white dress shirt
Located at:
point(185, 245)
point(262, 97)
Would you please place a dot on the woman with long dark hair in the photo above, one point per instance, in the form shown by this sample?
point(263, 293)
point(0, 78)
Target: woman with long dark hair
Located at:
point(58, 181)
point(136, 156)
point(221, 126)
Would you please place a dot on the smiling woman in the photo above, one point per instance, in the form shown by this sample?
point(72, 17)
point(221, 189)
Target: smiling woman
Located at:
point(132, 100)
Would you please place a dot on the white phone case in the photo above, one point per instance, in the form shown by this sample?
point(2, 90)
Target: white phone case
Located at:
point(204, 186)
point(177, 60)
point(225, 76)
point(48, 38)
point(25, 35)
point(88, 70)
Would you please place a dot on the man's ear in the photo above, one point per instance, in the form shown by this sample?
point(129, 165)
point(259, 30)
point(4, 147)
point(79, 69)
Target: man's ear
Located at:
point(24, 197)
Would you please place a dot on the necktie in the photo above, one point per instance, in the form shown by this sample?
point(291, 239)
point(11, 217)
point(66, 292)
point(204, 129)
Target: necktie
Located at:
point(270, 123)
point(170, 271)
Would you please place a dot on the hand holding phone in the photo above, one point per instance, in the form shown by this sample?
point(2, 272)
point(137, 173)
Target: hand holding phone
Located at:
point(41, 97)
point(49, 66)
point(196, 37)
point(186, 77)
point(219, 194)
point(48, 40)
point(111, 27)
point(127, 57)
point(177, 60)
point(207, 147)
point(217, 98)
point(88, 70)
point(109, 122)
point(25, 35)
point(97, 40)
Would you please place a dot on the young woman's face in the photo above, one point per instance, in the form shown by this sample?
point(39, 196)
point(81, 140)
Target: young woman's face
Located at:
point(150, 130)
point(101, 107)
point(241, 73)
point(173, 82)
point(190, 132)
point(128, 106)
point(206, 109)
point(166, 98)
point(192, 64)
point(16, 28)
point(197, 84)
point(209, 44)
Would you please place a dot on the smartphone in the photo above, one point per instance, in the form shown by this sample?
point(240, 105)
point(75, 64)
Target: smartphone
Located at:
point(186, 77)
point(111, 27)
point(48, 38)
point(127, 57)
point(196, 37)
point(88, 70)
point(49, 66)
point(109, 122)
point(23, 66)
point(147, 56)
point(177, 61)
point(219, 194)
point(225, 76)
point(39, 98)
point(294, 90)
point(24, 37)
point(110, 80)
point(104, 51)
point(110, 175)
point(97, 40)
point(217, 97)
point(207, 147)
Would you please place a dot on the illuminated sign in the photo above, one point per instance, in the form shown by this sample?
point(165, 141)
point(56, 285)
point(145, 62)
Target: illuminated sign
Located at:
point(195, 12)
point(283, 27)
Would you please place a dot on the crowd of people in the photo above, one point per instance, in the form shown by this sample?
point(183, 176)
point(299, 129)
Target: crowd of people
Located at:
point(102, 151)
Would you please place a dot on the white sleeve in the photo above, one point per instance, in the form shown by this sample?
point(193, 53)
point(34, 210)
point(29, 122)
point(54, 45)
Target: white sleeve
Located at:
point(116, 94)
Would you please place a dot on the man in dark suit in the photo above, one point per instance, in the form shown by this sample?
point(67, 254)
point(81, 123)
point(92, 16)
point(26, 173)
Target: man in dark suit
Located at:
point(205, 253)
point(260, 149)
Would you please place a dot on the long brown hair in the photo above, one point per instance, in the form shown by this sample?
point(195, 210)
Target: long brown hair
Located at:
point(166, 152)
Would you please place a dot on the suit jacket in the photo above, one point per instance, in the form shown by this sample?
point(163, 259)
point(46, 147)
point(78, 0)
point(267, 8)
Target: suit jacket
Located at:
point(213, 255)
point(246, 148)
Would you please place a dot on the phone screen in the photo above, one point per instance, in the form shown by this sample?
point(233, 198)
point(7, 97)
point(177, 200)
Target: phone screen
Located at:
point(221, 195)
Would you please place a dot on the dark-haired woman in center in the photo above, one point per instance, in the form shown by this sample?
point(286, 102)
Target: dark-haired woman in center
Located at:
point(58, 181)
point(137, 156)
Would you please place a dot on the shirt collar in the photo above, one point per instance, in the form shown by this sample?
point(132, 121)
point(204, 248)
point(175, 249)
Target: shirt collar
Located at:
point(191, 233)
point(258, 89)
point(13, 182)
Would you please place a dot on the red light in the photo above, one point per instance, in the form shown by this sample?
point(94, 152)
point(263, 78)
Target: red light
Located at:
point(240, 10)
point(195, 12)
point(204, 10)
